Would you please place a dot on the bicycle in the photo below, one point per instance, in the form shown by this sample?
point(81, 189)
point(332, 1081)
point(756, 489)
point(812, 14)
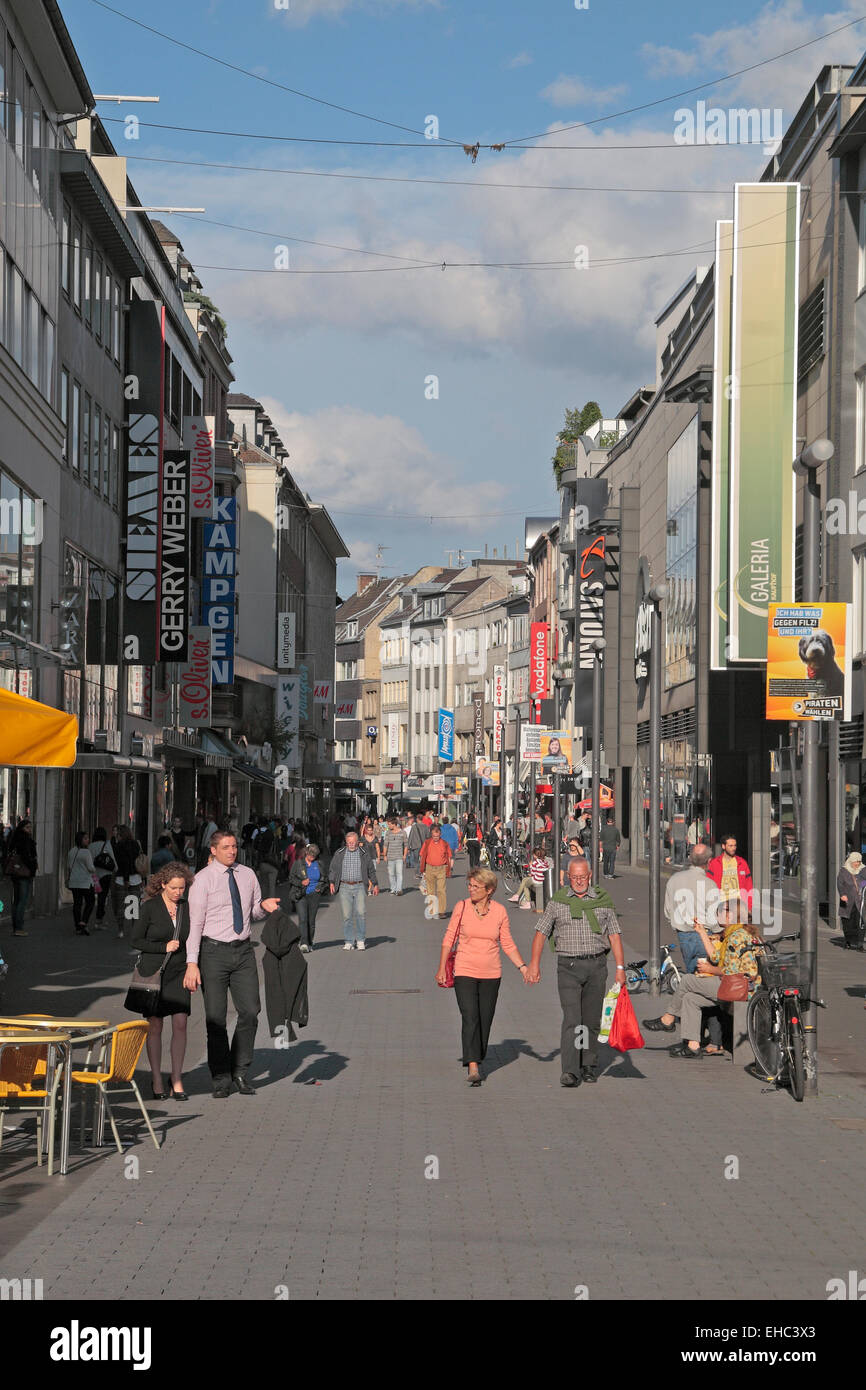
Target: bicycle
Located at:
point(513, 870)
point(669, 973)
point(774, 1017)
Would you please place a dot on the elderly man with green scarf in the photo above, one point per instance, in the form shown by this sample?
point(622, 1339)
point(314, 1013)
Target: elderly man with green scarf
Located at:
point(585, 927)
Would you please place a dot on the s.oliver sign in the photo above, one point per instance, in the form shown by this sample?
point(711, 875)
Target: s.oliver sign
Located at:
point(194, 683)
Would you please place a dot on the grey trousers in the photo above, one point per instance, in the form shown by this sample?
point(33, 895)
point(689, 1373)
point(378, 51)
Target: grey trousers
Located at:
point(694, 994)
point(582, 984)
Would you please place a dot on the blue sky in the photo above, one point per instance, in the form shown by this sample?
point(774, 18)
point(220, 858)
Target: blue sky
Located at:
point(342, 360)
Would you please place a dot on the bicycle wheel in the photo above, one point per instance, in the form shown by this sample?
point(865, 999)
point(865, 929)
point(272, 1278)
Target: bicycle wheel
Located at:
point(511, 875)
point(632, 981)
point(670, 980)
point(796, 1052)
point(759, 1023)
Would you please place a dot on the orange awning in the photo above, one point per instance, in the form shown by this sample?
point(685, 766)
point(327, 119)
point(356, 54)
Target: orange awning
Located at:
point(35, 735)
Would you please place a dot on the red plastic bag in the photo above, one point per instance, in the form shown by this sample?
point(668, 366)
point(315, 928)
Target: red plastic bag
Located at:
point(625, 1034)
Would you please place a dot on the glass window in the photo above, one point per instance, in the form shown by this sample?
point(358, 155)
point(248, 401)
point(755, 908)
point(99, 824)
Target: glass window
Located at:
point(2, 75)
point(176, 390)
point(85, 439)
point(859, 563)
point(106, 309)
point(106, 457)
point(35, 140)
point(14, 312)
point(681, 557)
point(861, 250)
point(34, 316)
point(48, 350)
point(115, 466)
point(2, 287)
point(96, 470)
point(97, 296)
point(115, 321)
point(76, 265)
point(66, 248)
point(860, 424)
point(64, 409)
point(88, 281)
point(75, 431)
point(187, 395)
point(196, 403)
point(17, 106)
point(166, 382)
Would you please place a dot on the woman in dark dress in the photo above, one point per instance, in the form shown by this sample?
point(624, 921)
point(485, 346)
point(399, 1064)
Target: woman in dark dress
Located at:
point(162, 929)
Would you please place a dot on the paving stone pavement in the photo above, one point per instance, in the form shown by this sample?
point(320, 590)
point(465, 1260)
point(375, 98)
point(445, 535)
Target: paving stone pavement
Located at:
point(365, 1168)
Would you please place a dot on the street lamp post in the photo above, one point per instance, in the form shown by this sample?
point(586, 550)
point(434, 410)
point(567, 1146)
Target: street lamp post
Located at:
point(557, 807)
point(516, 802)
point(656, 594)
point(597, 646)
point(807, 465)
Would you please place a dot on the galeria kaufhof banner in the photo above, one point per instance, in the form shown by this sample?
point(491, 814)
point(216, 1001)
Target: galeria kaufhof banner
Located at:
point(763, 404)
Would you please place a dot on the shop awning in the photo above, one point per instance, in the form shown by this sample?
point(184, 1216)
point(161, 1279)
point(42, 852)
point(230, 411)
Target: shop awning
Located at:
point(215, 751)
point(255, 774)
point(35, 735)
point(115, 762)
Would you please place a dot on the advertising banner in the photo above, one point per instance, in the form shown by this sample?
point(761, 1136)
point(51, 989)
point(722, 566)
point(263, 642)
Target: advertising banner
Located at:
point(198, 438)
point(499, 687)
point(763, 410)
point(720, 502)
point(393, 735)
point(345, 709)
point(218, 587)
point(530, 742)
point(478, 723)
point(487, 772)
point(555, 750)
point(809, 661)
point(446, 736)
point(322, 692)
point(590, 622)
point(288, 710)
point(174, 556)
point(539, 636)
point(498, 729)
point(286, 642)
point(142, 492)
point(194, 683)
point(304, 673)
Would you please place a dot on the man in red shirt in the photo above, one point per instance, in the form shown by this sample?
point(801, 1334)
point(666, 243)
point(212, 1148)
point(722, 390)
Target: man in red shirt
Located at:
point(436, 861)
point(732, 876)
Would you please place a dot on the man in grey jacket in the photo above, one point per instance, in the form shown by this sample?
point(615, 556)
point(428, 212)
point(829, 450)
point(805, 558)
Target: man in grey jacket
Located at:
point(350, 873)
point(416, 834)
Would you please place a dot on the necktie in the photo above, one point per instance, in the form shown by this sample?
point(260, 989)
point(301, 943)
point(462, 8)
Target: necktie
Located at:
point(237, 910)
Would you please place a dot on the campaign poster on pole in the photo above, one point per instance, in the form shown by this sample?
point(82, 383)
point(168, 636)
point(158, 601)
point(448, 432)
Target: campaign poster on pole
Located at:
point(487, 772)
point(809, 661)
point(555, 750)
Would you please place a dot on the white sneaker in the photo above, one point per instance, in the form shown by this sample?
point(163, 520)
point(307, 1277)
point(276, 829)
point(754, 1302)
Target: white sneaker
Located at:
point(513, 898)
point(360, 946)
point(347, 945)
point(524, 907)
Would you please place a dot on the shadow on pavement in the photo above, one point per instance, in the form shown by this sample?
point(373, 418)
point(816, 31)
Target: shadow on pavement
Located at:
point(502, 1054)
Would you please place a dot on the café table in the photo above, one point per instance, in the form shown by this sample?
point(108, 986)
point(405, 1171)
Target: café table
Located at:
point(65, 1033)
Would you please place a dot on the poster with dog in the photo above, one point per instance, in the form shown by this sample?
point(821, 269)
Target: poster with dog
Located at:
point(809, 661)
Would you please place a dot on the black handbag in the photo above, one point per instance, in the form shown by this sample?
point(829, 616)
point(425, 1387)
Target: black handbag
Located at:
point(145, 991)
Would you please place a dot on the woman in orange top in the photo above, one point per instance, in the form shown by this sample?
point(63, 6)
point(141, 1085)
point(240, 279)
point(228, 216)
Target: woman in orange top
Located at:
point(480, 927)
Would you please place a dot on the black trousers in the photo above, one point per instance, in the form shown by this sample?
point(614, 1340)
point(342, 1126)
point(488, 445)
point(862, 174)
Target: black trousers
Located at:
point(82, 906)
point(473, 849)
point(476, 1000)
point(582, 983)
point(853, 929)
point(308, 907)
point(229, 968)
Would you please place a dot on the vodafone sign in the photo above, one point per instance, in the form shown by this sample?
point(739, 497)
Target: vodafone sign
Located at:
point(539, 638)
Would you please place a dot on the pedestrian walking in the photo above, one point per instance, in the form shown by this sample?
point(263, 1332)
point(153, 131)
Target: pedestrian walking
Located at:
point(370, 842)
point(267, 857)
point(472, 840)
point(451, 835)
point(732, 875)
point(224, 899)
point(305, 891)
point(416, 834)
point(394, 851)
point(575, 852)
point(734, 955)
point(105, 864)
point(851, 884)
point(479, 926)
point(585, 928)
point(350, 872)
point(21, 866)
point(436, 863)
point(80, 876)
point(610, 842)
point(161, 932)
point(162, 855)
point(206, 828)
point(128, 879)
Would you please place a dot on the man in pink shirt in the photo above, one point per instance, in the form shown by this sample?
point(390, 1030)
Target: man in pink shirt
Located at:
point(224, 898)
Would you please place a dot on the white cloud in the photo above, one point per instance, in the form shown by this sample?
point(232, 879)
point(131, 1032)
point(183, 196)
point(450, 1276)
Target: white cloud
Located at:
point(573, 91)
point(376, 471)
point(520, 60)
point(775, 29)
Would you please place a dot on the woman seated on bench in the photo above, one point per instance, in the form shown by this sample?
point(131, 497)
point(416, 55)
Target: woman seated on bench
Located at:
point(734, 955)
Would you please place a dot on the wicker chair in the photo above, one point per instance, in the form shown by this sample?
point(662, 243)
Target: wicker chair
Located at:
point(127, 1041)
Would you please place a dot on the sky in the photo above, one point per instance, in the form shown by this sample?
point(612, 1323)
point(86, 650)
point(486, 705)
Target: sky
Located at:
point(421, 404)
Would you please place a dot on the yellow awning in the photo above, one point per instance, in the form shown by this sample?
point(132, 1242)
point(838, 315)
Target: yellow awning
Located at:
point(35, 735)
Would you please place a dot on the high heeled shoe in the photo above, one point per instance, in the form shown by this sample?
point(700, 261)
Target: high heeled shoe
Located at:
point(157, 1095)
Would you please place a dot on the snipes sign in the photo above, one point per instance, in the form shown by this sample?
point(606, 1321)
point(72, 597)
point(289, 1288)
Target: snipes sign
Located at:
point(590, 623)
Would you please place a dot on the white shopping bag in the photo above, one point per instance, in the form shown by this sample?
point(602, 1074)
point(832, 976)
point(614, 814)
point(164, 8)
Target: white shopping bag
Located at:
point(607, 1012)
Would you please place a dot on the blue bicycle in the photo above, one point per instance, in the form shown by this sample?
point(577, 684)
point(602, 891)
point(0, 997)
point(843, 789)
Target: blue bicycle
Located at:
point(669, 973)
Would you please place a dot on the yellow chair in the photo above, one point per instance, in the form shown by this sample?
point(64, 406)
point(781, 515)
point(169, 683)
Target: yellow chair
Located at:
point(18, 1068)
point(127, 1041)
